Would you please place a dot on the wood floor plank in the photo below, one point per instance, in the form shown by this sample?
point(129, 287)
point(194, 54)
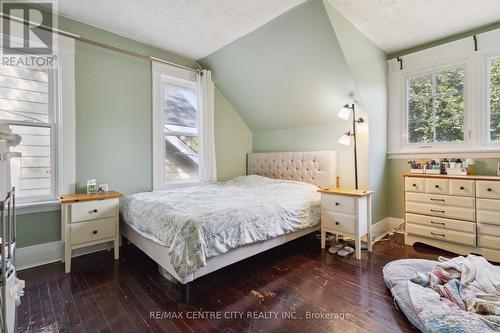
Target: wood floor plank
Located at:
point(104, 295)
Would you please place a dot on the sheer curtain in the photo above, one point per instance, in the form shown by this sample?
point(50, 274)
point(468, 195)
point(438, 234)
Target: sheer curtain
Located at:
point(208, 168)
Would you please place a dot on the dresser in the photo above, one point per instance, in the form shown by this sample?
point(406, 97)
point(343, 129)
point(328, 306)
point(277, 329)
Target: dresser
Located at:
point(460, 214)
point(347, 212)
point(89, 219)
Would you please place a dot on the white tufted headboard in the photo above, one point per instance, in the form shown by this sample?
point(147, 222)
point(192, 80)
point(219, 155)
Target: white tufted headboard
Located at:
point(315, 167)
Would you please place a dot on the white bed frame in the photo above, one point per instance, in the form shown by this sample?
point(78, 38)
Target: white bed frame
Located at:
point(318, 168)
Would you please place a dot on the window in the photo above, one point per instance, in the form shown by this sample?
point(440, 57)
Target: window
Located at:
point(494, 99)
point(183, 126)
point(436, 107)
point(27, 105)
point(181, 133)
point(39, 105)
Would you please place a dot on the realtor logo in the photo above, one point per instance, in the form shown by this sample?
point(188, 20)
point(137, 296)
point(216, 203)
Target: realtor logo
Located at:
point(28, 29)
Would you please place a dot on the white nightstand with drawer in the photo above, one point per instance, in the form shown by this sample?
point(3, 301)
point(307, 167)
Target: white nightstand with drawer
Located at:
point(89, 219)
point(346, 212)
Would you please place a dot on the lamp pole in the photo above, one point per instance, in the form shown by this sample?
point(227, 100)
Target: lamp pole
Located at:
point(354, 121)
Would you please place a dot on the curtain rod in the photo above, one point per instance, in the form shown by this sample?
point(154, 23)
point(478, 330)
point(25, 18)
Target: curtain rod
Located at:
point(95, 43)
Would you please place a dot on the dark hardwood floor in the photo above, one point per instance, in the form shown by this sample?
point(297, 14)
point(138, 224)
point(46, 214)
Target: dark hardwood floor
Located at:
point(129, 295)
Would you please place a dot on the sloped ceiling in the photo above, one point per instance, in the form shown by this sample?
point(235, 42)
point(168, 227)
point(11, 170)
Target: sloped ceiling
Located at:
point(194, 28)
point(289, 73)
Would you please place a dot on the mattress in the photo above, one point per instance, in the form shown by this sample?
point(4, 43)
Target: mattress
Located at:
point(199, 222)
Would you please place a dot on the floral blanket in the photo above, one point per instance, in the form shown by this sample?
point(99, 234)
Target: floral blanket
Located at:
point(202, 221)
point(458, 295)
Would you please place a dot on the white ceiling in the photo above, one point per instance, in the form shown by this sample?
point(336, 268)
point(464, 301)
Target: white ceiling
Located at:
point(194, 28)
point(395, 25)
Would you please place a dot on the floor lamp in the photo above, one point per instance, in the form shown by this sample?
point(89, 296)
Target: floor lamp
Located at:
point(345, 139)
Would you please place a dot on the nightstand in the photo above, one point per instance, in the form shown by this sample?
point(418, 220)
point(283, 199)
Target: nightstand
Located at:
point(89, 219)
point(347, 212)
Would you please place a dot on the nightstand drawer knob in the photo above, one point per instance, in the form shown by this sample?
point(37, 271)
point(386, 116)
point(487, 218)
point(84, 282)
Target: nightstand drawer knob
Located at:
point(93, 211)
point(94, 232)
point(337, 223)
point(337, 204)
point(436, 186)
point(462, 188)
point(489, 189)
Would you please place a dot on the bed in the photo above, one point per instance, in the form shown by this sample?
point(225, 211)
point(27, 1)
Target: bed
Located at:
point(195, 230)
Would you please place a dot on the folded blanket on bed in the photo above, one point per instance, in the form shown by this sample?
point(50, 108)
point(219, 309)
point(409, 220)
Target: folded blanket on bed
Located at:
point(198, 222)
point(458, 295)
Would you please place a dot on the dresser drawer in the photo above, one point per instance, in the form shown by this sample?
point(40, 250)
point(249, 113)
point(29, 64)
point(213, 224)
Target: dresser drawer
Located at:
point(488, 229)
point(461, 187)
point(442, 200)
point(488, 189)
point(91, 210)
point(488, 242)
point(488, 204)
point(338, 203)
point(94, 230)
point(485, 216)
point(338, 222)
point(414, 184)
point(441, 223)
point(441, 211)
point(436, 186)
point(441, 234)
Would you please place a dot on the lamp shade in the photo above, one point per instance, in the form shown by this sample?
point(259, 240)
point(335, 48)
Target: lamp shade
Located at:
point(345, 139)
point(362, 127)
point(345, 112)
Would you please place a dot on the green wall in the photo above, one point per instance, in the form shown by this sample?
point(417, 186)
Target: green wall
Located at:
point(233, 139)
point(113, 124)
point(397, 167)
point(289, 78)
point(368, 67)
point(449, 39)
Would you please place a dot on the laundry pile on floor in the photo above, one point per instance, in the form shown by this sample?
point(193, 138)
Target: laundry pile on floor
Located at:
point(458, 295)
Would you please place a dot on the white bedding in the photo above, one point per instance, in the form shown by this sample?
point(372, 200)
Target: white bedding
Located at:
point(202, 221)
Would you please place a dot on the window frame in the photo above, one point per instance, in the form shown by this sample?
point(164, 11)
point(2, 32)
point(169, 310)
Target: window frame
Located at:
point(53, 113)
point(407, 145)
point(486, 93)
point(163, 73)
point(63, 136)
point(476, 97)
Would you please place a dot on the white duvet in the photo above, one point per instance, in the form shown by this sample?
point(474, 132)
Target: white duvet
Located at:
point(202, 221)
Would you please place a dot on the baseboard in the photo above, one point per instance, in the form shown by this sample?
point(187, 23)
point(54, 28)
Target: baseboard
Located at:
point(46, 253)
point(385, 227)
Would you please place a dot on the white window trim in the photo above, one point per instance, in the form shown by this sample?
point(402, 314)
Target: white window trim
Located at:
point(162, 73)
point(476, 112)
point(64, 137)
point(487, 57)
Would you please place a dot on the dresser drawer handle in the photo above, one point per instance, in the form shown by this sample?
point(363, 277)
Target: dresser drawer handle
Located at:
point(437, 211)
point(337, 223)
point(94, 232)
point(433, 199)
point(435, 234)
point(462, 188)
point(337, 204)
point(93, 211)
point(440, 223)
point(436, 186)
point(489, 189)
point(414, 185)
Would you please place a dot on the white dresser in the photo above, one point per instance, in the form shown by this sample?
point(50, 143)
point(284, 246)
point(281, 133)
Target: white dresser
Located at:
point(89, 219)
point(460, 214)
point(346, 212)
